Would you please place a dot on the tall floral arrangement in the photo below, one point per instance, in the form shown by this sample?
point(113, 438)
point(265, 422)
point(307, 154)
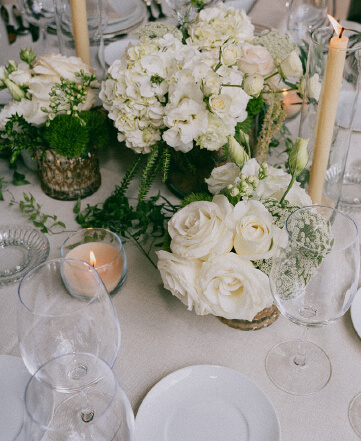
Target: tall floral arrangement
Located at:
point(200, 89)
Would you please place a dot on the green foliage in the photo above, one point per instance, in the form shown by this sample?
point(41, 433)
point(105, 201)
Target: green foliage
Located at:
point(75, 136)
point(20, 135)
point(46, 222)
point(131, 222)
point(254, 106)
point(67, 136)
point(196, 197)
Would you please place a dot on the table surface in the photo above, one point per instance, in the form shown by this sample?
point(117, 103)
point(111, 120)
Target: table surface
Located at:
point(159, 334)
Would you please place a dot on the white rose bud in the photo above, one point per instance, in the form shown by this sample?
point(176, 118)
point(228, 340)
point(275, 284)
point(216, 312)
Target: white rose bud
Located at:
point(292, 66)
point(16, 92)
point(236, 152)
point(298, 157)
point(230, 54)
point(313, 88)
point(253, 84)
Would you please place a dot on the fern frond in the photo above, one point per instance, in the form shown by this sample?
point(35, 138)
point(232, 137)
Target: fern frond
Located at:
point(195, 197)
point(166, 159)
point(149, 173)
point(129, 175)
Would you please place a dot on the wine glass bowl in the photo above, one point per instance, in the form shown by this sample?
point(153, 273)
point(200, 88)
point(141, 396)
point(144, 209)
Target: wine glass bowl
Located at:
point(39, 13)
point(89, 406)
point(313, 280)
point(64, 307)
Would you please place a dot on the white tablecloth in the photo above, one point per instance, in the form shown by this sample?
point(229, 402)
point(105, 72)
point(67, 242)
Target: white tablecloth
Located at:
point(159, 335)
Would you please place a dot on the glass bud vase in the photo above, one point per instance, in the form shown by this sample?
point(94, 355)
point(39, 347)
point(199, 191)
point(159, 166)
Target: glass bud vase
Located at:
point(68, 178)
point(329, 116)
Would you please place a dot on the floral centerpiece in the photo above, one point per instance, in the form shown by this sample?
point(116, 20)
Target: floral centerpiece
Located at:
point(52, 116)
point(196, 92)
point(219, 249)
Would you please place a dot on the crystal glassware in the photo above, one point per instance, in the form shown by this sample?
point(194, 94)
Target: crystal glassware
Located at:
point(313, 280)
point(39, 13)
point(64, 307)
point(304, 16)
point(76, 397)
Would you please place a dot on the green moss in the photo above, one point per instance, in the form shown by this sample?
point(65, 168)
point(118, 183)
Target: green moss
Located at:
point(74, 137)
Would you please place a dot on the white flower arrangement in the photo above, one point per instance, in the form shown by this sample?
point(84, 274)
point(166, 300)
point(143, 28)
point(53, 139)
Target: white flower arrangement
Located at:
point(221, 246)
point(201, 91)
point(31, 81)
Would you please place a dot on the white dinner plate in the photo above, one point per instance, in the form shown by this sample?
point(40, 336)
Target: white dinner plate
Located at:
point(122, 25)
point(245, 5)
point(120, 11)
point(115, 50)
point(13, 380)
point(356, 312)
point(206, 403)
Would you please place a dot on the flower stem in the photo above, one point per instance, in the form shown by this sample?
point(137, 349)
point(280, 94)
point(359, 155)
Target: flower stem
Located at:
point(288, 188)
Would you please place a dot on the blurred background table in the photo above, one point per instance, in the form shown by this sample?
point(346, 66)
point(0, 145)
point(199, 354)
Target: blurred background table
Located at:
point(159, 334)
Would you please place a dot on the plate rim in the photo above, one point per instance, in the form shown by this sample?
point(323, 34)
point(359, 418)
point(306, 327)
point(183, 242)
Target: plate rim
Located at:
point(168, 378)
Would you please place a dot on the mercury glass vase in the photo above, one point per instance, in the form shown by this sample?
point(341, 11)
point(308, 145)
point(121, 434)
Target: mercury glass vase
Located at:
point(68, 178)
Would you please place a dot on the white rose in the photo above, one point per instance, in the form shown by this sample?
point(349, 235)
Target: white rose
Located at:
point(55, 66)
point(233, 288)
point(275, 185)
point(255, 235)
point(211, 83)
point(230, 53)
point(179, 276)
point(220, 104)
point(2, 73)
point(222, 176)
point(255, 59)
point(202, 228)
point(313, 88)
point(216, 134)
point(292, 66)
point(253, 84)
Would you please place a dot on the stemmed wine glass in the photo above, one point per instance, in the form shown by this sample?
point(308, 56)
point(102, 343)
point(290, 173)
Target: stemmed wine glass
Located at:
point(65, 308)
point(39, 13)
point(313, 280)
point(64, 402)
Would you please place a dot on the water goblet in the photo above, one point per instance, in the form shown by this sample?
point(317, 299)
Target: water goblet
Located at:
point(313, 280)
point(39, 13)
point(304, 16)
point(64, 307)
point(65, 402)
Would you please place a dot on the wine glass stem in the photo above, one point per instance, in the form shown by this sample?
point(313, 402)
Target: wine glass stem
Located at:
point(300, 357)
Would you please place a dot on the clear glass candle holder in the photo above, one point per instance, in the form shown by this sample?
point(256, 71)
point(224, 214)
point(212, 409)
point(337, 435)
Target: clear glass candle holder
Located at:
point(329, 117)
point(104, 250)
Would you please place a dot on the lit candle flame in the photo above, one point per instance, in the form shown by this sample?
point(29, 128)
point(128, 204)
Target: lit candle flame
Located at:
point(284, 92)
point(92, 259)
point(336, 25)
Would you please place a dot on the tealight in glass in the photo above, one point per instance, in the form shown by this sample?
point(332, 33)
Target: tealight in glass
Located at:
point(104, 250)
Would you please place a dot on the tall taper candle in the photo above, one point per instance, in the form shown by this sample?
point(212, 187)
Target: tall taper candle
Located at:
point(326, 115)
point(80, 29)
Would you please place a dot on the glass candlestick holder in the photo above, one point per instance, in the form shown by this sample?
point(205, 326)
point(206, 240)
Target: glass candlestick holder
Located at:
point(329, 117)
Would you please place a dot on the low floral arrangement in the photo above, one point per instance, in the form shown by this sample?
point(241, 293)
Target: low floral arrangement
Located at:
point(52, 106)
point(200, 90)
point(219, 247)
